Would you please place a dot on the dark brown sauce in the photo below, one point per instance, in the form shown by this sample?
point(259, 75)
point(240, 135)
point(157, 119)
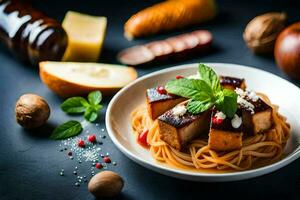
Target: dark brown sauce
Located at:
point(178, 122)
point(181, 121)
point(259, 105)
point(29, 34)
point(232, 81)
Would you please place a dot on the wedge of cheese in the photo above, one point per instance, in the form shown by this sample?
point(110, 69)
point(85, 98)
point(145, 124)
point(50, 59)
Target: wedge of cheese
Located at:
point(86, 34)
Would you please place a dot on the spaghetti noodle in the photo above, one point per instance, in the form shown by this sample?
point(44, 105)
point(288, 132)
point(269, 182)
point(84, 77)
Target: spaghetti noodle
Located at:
point(267, 147)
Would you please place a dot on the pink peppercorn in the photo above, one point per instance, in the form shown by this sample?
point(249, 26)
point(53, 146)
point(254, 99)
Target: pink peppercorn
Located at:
point(81, 143)
point(92, 138)
point(106, 159)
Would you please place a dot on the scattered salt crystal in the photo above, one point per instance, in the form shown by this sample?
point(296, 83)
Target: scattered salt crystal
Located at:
point(90, 153)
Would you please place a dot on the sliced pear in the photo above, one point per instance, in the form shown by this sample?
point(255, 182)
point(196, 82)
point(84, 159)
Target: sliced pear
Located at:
point(73, 78)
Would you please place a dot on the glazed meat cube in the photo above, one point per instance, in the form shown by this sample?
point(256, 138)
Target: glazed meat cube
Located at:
point(225, 134)
point(178, 127)
point(258, 119)
point(158, 103)
point(232, 82)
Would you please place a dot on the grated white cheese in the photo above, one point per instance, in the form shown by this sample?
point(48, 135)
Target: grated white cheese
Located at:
point(252, 95)
point(220, 115)
point(179, 110)
point(246, 104)
point(240, 92)
point(236, 121)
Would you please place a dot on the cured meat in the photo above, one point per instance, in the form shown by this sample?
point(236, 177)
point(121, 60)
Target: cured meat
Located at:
point(173, 47)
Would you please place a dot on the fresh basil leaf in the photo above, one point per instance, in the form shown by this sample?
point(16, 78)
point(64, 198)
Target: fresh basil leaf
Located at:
point(219, 97)
point(229, 103)
point(95, 97)
point(210, 77)
point(205, 92)
point(91, 114)
point(74, 105)
point(190, 88)
point(67, 129)
point(196, 107)
point(97, 107)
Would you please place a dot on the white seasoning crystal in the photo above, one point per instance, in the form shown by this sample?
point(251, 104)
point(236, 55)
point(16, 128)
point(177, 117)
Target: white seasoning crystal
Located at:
point(179, 110)
point(243, 102)
point(240, 92)
point(246, 104)
point(252, 95)
point(236, 121)
point(220, 115)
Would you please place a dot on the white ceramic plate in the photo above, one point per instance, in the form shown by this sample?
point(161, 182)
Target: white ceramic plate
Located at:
point(280, 91)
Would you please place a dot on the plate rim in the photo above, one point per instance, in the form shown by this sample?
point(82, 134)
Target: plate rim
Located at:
point(190, 175)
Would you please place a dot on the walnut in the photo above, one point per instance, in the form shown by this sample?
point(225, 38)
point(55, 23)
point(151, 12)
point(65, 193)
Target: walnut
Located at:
point(261, 32)
point(32, 111)
point(106, 184)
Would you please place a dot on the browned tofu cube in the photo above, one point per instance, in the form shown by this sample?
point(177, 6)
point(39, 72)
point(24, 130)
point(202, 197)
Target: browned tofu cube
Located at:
point(225, 134)
point(158, 103)
point(258, 119)
point(232, 82)
point(220, 140)
point(178, 131)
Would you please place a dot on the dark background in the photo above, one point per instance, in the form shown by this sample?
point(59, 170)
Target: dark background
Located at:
point(30, 162)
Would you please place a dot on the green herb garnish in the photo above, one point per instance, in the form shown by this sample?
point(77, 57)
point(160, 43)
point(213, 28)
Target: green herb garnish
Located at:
point(204, 92)
point(90, 108)
point(67, 129)
point(78, 105)
point(74, 105)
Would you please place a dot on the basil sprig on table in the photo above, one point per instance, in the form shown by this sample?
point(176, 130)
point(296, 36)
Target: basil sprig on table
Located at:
point(204, 92)
point(78, 105)
point(90, 108)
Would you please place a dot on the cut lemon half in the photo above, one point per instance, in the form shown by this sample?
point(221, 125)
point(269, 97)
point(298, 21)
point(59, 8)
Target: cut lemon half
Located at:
point(73, 78)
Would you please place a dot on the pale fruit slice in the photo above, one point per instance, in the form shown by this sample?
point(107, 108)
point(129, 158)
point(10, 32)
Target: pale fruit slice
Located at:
point(73, 78)
point(86, 34)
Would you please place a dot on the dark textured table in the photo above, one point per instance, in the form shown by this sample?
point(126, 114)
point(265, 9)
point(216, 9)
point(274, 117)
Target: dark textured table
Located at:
point(30, 162)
